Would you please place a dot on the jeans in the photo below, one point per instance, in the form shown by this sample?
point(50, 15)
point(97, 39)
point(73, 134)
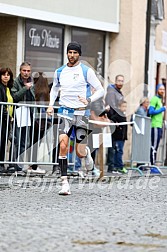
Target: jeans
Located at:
point(77, 163)
point(110, 157)
point(118, 162)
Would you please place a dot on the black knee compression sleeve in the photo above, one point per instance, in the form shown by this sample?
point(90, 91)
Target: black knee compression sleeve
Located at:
point(63, 165)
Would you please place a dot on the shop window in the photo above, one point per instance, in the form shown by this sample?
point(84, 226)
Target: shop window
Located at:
point(44, 46)
point(92, 43)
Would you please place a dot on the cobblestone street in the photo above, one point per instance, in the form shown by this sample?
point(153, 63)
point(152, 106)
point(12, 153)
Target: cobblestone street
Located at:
point(119, 214)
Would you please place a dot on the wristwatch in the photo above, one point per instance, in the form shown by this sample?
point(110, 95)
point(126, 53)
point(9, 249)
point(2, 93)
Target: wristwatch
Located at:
point(88, 100)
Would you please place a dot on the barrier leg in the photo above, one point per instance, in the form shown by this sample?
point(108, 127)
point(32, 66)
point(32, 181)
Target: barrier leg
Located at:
point(156, 167)
point(101, 155)
point(136, 169)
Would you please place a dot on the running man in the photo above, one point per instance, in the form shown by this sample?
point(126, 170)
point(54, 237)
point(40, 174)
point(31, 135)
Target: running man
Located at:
point(73, 87)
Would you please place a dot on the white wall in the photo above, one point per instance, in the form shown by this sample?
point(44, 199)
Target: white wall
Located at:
point(93, 14)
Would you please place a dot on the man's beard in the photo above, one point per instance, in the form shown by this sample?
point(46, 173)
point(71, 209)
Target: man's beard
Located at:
point(73, 62)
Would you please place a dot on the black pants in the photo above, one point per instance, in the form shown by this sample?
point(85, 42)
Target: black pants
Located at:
point(38, 135)
point(3, 142)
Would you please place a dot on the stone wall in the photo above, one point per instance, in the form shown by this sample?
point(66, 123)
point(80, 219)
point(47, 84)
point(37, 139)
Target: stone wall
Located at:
point(8, 42)
point(127, 56)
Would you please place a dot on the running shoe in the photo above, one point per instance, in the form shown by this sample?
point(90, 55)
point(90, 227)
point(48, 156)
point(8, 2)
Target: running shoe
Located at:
point(65, 190)
point(2, 169)
point(11, 169)
point(96, 172)
point(81, 174)
point(116, 172)
point(123, 170)
point(88, 160)
point(37, 171)
point(56, 169)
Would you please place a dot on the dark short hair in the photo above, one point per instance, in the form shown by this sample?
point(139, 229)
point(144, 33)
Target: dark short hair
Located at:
point(74, 46)
point(25, 63)
point(119, 75)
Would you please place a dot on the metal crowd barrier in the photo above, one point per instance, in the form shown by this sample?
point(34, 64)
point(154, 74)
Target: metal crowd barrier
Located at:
point(141, 144)
point(27, 122)
point(30, 119)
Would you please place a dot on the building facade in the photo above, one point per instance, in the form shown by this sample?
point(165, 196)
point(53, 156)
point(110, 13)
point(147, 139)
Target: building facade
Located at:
point(112, 35)
point(39, 32)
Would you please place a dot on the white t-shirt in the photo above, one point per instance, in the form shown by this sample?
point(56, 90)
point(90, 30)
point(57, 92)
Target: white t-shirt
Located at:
point(72, 84)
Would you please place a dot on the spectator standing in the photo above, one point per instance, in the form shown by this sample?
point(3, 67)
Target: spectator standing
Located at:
point(23, 91)
point(142, 110)
point(113, 97)
point(156, 110)
point(41, 89)
point(119, 136)
point(6, 111)
point(73, 103)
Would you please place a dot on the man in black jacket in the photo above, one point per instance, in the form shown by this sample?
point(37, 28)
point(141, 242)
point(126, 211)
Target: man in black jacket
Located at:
point(112, 99)
point(119, 136)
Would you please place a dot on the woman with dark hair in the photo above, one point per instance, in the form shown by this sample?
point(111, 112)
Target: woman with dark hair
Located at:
point(6, 111)
point(41, 89)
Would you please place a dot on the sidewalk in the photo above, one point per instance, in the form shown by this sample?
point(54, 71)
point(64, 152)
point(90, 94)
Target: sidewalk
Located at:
point(75, 178)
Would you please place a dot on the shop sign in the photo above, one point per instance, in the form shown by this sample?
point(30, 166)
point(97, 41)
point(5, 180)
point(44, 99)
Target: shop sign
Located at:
point(43, 39)
point(40, 37)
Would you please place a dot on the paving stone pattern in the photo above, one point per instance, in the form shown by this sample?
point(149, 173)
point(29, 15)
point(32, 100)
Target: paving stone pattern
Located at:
point(120, 215)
